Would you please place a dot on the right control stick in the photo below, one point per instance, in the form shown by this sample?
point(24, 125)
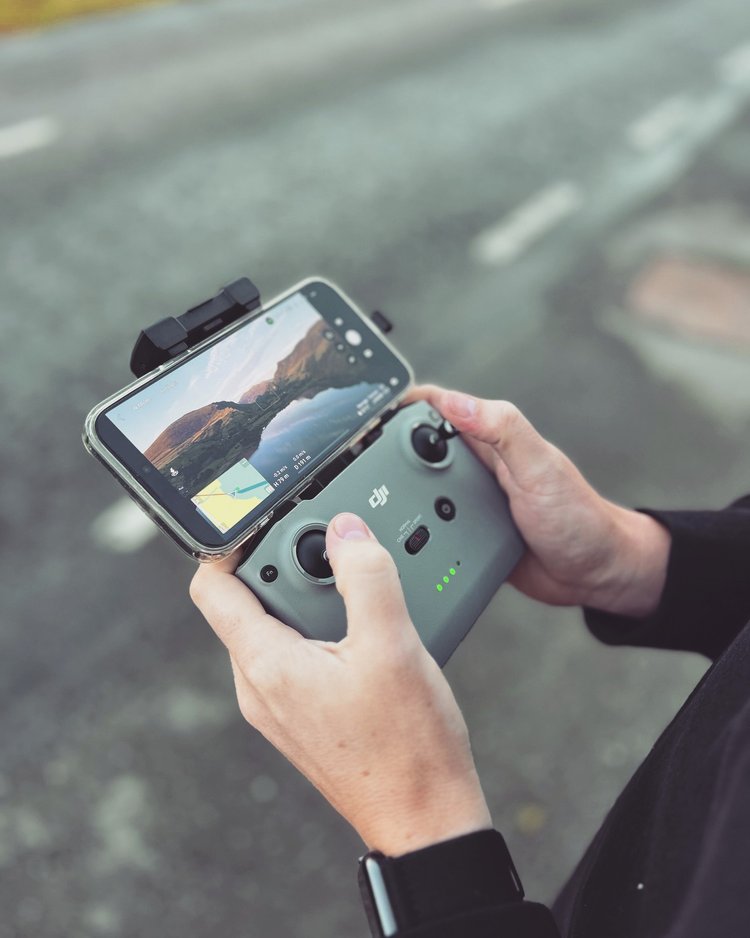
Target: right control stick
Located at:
point(429, 444)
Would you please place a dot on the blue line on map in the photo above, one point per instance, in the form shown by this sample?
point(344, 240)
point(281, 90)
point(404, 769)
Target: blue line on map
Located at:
point(257, 485)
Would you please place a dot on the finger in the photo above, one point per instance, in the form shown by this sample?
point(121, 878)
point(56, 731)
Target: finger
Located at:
point(422, 392)
point(226, 564)
point(499, 424)
point(236, 615)
point(432, 393)
point(488, 454)
point(366, 578)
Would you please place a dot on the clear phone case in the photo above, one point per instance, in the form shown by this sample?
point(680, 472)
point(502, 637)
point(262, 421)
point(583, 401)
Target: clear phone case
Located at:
point(146, 501)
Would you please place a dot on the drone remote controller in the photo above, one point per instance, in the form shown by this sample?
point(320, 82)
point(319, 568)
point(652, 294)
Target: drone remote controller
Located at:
point(430, 501)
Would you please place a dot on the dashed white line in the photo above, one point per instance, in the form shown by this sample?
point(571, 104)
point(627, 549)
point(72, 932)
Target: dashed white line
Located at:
point(123, 527)
point(734, 67)
point(661, 124)
point(500, 4)
point(16, 139)
point(504, 242)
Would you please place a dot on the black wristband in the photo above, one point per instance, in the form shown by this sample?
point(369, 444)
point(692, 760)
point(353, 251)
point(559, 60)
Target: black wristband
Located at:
point(468, 873)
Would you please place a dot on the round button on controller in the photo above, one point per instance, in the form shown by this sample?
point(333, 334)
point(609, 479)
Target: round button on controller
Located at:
point(311, 555)
point(445, 508)
point(428, 444)
point(269, 573)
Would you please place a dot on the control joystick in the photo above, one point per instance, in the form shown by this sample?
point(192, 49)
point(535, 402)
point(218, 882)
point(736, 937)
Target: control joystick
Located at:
point(429, 444)
point(310, 553)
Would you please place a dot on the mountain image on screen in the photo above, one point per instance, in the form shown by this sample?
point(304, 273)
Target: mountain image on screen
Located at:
point(204, 443)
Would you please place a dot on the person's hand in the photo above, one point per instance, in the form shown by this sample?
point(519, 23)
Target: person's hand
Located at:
point(582, 549)
point(370, 720)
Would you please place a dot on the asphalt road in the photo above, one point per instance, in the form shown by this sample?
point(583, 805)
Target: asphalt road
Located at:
point(479, 170)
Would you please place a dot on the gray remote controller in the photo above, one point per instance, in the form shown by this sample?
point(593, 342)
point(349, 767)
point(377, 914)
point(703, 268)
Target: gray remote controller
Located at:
point(430, 502)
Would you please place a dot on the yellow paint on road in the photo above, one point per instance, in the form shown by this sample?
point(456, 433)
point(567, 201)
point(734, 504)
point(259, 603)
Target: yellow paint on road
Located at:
point(530, 818)
point(28, 14)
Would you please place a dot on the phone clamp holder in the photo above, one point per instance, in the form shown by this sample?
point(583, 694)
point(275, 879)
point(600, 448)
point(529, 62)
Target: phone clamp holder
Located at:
point(174, 335)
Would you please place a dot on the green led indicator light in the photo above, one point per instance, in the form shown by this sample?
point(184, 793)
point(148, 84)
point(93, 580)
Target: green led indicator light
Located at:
point(446, 579)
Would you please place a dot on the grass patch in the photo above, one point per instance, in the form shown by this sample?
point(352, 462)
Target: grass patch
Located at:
point(26, 14)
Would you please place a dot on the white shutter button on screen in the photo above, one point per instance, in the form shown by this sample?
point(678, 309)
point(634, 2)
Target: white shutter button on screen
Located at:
point(353, 337)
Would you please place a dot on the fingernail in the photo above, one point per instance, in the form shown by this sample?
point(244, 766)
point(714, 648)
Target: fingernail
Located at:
point(461, 404)
point(350, 528)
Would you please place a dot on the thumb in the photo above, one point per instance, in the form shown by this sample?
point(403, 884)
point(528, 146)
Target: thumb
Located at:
point(366, 578)
point(501, 425)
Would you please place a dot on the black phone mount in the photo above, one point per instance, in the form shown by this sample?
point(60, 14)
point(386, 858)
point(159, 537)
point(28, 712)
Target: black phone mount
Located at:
point(174, 335)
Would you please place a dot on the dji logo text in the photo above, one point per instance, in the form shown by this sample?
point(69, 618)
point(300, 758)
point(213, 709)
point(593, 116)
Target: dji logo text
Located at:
point(379, 496)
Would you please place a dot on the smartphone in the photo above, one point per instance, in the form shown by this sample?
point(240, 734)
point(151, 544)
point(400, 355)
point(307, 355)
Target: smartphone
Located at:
point(212, 442)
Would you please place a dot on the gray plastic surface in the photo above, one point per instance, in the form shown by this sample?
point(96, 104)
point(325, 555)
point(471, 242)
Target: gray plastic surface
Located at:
point(481, 544)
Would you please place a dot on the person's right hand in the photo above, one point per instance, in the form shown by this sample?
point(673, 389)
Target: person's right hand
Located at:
point(582, 549)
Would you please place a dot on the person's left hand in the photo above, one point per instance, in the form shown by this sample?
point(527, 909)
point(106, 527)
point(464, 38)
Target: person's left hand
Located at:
point(370, 720)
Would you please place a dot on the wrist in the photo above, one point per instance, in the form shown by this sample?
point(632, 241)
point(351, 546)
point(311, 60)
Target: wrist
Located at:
point(634, 570)
point(401, 829)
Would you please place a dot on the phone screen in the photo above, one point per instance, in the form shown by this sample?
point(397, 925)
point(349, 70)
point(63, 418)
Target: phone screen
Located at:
point(224, 436)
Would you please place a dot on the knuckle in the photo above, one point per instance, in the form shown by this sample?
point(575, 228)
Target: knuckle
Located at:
point(251, 707)
point(503, 417)
point(508, 413)
point(561, 467)
point(262, 670)
point(256, 672)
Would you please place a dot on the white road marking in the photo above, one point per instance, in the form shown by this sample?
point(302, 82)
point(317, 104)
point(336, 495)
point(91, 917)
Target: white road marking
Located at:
point(28, 135)
point(123, 527)
point(500, 4)
point(734, 67)
point(661, 124)
point(507, 240)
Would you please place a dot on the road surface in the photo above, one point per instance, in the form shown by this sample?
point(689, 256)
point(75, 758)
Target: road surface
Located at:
point(490, 174)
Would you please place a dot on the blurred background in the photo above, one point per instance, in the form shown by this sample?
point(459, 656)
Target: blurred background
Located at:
point(551, 200)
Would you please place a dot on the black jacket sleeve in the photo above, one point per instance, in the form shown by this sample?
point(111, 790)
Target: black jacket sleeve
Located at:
point(516, 920)
point(722, 871)
point(706, 598)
